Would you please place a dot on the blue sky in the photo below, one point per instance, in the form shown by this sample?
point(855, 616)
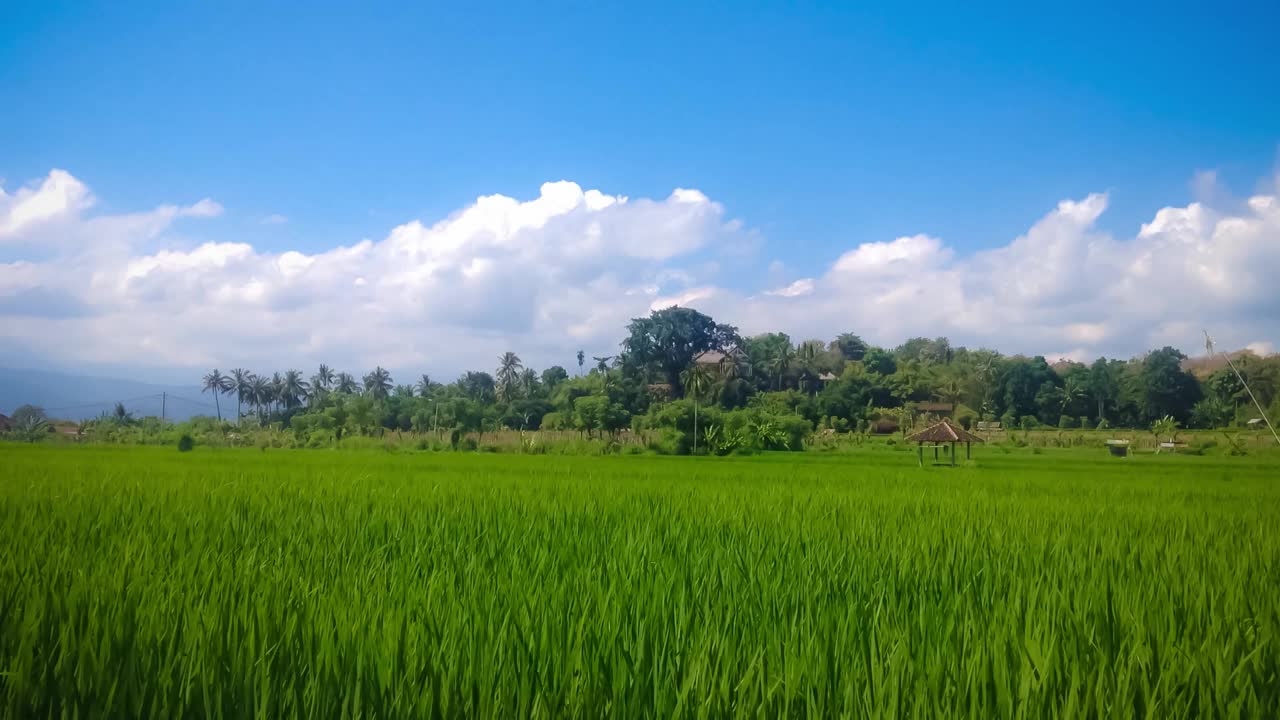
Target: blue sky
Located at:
point(820, 128)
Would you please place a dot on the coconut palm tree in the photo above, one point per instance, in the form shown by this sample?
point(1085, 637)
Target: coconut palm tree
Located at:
point(529, 382)
point(121, 416)
point(277, 390)
point(240, 383)
point(780, 363)
point(294, 389)
point(216, 383)
point(423, 385)
point(582, 357)
point(508, 375)
point(696, 380)
point(259, 394)
point(378, 383)
point(346, 384)
point(323, 379)
point(949, 392)
point(1072, 390)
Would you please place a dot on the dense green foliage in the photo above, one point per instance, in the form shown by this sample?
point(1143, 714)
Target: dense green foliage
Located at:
point(144, 582)
point(680, 354)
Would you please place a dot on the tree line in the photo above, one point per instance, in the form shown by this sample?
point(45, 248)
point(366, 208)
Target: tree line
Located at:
point(680, 357)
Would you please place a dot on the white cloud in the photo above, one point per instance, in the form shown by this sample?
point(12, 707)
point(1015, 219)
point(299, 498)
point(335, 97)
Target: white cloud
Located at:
point(275, 219)
point(568, 268)
point(799, 288)
point(59, 194)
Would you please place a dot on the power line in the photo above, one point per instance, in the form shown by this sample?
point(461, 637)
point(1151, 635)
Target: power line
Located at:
point(1208, 343)
point(189, 400)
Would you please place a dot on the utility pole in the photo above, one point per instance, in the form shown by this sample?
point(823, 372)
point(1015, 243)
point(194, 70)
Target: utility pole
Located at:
point(164, 398)
point(1208, 343)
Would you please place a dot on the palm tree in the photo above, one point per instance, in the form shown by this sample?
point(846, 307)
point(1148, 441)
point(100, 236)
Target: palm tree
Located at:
point(346, 384)
point(121, 416)
point(734, 367)
point(695, 380)
point(240, 381)
point(378, 383)
point(293, 389)
point(807, 355)
point(277, 390)
point(949, 392)
point(529, 382)
point(216, 383)
point(582, 357)
point(602, 362)
point(508, 375)
point(780, 363)
point(423, 386)
point(323, 379)
point(259, 393)
point(1072, 390)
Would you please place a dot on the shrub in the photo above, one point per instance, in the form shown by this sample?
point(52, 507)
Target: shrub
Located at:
point(1029, 422)
point(1066, 422)
point(186, 443)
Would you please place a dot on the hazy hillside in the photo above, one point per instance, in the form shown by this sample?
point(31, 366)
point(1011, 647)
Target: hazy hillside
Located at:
point(76, 397)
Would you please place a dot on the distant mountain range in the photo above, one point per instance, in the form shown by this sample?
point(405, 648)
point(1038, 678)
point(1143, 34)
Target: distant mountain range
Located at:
point(77, 397)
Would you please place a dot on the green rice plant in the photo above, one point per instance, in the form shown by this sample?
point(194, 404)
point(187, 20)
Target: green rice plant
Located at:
point(140, 582)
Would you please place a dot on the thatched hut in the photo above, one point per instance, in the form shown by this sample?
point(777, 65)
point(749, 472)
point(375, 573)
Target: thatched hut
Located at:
point(939, 435)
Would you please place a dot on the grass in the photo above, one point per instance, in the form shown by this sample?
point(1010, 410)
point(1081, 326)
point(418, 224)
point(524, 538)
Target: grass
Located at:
point(143, 582)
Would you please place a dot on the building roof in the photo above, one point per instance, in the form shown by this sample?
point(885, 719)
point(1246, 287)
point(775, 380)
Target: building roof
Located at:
point(714, 357)
point(943, 432)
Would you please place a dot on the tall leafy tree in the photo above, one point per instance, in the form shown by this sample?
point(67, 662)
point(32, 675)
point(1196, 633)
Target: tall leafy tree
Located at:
point(478, 386)
point(668, 340)
point(850, 346)
point(423, 386)
point(553, 376)
point(1167, 389)
point(216, 383)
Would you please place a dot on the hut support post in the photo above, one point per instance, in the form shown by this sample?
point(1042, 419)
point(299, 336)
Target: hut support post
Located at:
point(968, 451)
point(921, 451)
point(953, 454)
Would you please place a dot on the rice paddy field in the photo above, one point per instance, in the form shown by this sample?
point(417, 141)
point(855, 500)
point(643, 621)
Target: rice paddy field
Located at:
point(143, 582)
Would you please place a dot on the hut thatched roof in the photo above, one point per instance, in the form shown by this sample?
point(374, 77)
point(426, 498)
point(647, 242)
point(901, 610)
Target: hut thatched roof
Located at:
point(943, 432)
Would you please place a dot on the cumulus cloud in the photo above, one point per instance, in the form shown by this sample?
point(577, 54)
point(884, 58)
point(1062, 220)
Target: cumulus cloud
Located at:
point(569, 267)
